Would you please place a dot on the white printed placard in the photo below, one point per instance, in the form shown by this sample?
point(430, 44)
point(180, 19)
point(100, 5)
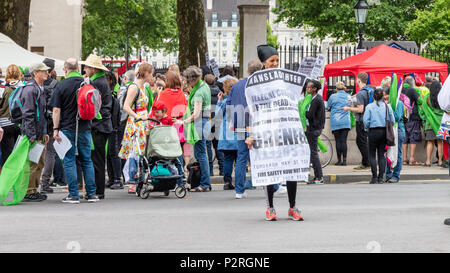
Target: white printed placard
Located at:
point(280, 150)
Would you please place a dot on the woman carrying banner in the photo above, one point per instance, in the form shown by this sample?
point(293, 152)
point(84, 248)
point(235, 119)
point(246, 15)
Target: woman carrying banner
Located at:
point(269, 57)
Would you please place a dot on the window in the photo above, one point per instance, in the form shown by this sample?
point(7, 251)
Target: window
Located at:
point(206, 23)
point(214, 34)
point(214, 53)
point(155, 53)
point(224, 54)
point(234, 16)
point(224, 44)
point(214, 16)
point(164, 54)
point(214, 44)
point(164, 64)
point(235, 54)
point(155, 64)
point(214, 24)
point(224, 23)
point(234, 24)
point(209, 4)
point(225, 34)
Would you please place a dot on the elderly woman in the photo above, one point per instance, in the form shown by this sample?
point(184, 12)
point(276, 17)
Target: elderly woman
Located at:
point(340, 121)
point(227, 138)
point(197, 123)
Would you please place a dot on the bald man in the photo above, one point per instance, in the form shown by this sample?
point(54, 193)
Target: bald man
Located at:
point(64, 102)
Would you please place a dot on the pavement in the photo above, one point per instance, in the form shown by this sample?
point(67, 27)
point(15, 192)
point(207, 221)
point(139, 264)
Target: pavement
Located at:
point(347, 174)
point(357, 217)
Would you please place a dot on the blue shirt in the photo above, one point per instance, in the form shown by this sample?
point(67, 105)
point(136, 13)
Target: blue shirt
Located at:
point(339, 118)
point(237, 100)
point(227, 138)
point(375, 115)
point(398, 114)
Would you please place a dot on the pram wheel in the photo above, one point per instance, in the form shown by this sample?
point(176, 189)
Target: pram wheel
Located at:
point(145, 193)
point(180, 192)
point(166, 193)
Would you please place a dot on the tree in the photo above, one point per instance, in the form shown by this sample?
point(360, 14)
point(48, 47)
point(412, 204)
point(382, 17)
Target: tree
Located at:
point(147, 23)
point(14, 18)
point(386, 20)
point(192, 33)
point(432, 26)
point(272, 39)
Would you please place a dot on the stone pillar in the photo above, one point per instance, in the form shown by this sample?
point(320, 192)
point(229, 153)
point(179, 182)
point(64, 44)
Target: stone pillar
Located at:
point(253, 19)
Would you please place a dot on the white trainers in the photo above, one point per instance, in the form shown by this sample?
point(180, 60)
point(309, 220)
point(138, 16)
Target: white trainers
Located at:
point(241, 195)
point(282, 190)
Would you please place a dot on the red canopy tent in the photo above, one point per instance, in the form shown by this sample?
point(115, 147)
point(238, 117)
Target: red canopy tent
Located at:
point(380, 62)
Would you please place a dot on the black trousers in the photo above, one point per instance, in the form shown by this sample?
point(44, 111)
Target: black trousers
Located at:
point(314, 158)
point(99, 159)
point(113, 160)
point(362, 142)
point(340, 136)
point(377, 147)
point(291, 189)
point(10, 135)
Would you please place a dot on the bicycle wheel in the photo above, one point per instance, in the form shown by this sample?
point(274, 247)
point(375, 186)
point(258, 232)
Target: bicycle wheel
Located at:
point(325, 157)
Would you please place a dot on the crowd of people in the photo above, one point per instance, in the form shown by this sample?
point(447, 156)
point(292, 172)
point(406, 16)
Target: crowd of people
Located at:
point(196, 103)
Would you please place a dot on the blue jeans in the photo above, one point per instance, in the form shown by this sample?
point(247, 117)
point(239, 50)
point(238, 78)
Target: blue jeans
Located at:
point(395, 174)
point(241, 166)
point(70, 166)
point(179, 164)
point(229, 159)
point(132, 170)
point(200, 151)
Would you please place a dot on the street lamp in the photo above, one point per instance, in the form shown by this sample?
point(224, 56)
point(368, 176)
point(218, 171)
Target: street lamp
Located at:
point(220, 46)
point(361, 9)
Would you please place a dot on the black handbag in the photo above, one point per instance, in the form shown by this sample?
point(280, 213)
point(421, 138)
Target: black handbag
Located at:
point(390, 136)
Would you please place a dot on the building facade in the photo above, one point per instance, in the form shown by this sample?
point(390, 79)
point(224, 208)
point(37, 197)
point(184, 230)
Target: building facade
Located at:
point(55, 28)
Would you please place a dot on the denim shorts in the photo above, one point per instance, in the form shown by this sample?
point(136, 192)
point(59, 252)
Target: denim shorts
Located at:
point(413, 132)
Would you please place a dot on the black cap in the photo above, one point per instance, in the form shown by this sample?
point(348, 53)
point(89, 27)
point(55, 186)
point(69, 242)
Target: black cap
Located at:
point(50, 63)
point(265, 52)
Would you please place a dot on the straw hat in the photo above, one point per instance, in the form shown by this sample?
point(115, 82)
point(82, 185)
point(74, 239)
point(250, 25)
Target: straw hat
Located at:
point(95, 62)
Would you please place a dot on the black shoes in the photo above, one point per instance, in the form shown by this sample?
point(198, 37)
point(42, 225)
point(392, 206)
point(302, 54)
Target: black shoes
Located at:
point(71, 200)
point(35, 197)
point(228, 186)
point(93, 198)
point(447, 222)
point(374, 180)
point(109, 184)
point(46, 188)
point(116, 186)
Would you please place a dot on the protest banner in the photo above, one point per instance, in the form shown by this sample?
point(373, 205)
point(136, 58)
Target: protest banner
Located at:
point(280, 150)
point(312, 66)
point(214, 67)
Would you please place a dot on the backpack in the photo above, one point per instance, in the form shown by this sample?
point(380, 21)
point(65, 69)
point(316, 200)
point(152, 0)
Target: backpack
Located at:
point(370, 92)
point(115, 112)
point(89, 101)
point(122, 96)
point(15, 106)
point(194, 174)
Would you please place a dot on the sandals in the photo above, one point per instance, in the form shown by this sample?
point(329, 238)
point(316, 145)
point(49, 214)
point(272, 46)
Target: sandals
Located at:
point(415, 163)
point(200, 189)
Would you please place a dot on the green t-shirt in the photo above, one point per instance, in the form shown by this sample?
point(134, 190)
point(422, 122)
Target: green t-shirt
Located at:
point(203, 95)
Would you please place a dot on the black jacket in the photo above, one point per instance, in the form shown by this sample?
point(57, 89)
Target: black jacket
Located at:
point(316, 114)
point(103, 125)
point(33, 124)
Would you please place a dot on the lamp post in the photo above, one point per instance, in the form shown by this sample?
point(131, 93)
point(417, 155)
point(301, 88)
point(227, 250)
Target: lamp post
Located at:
point(361, 9)
point(127, 48)
point(220, 46)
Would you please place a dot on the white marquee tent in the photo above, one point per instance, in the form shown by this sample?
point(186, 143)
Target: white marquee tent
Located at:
point(12, 53)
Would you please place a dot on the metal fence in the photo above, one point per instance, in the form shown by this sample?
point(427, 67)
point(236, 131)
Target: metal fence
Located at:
point(291, 57)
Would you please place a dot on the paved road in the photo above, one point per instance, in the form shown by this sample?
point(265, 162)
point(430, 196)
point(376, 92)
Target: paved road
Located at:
point(404, 217)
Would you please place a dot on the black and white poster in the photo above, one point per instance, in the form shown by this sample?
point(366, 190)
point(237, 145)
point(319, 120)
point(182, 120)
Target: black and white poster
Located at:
point(280, 150)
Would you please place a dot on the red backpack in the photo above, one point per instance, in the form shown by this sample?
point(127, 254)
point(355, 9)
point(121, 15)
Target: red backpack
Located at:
point(89, 101)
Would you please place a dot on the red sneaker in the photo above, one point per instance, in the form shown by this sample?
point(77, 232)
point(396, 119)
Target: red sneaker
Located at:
point(271, 214)
point(294, 214)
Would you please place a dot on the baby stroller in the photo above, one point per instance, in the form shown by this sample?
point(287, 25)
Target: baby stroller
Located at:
point(158, 171)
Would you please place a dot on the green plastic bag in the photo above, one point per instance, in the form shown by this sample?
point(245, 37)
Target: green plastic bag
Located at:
point(16, 174)
point(302, 106)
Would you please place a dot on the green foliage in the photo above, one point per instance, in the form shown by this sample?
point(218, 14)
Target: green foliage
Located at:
point(148, 23)
point(272, 39)
point(432, 26)
point(386, 19)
